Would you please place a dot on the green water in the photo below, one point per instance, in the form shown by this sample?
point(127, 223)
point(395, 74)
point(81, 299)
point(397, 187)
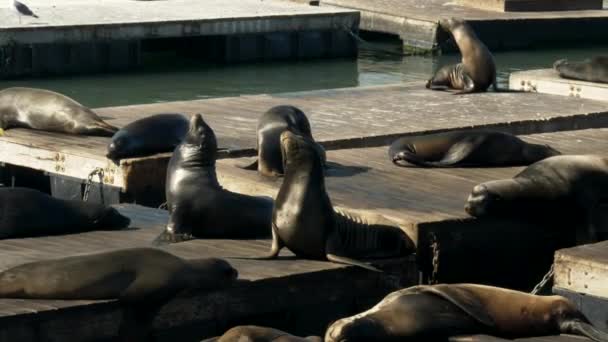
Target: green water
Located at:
point(170, 79)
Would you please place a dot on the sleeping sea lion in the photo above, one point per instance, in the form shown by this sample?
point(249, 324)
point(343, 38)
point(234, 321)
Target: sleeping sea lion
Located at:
point(569, 188)
point(254, 333)
point(198, 205)
point(153, 134)
point(28, 212)
point(142, 279)
point(304, 219)
point(467, 148)
point(590, 70)
point(477, 70)
point(434, 313)
point(270, 126)
point(49, 111)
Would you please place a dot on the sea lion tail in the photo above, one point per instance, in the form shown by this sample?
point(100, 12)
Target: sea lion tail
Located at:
point(578, 327)
point(253, 166)
point(349, 261)
point(405, 157)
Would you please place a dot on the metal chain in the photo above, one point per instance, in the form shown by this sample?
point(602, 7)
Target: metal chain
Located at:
point(87, 186)
point(435, 261)
point(540, 286)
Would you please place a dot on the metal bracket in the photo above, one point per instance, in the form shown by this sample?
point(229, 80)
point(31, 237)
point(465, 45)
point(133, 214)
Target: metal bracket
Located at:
point(59, 159)
point(528, 86)
point(575, 91)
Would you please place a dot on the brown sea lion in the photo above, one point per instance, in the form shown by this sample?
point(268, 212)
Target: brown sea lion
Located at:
point(477, 70)
point(304, 220)
point(467, 148)
point(590, 70)
point(434, 313)
point(252, 333)
point(49, 111)
point(568, 188)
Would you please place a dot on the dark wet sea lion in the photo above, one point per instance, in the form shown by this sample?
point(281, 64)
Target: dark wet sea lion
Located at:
point(270, 126)
point(304, 219)
point(467, 148)
point(252, 333)
point(26, 212)
point(143, 279)
point(49, 111)
point(153, 134)
point(477, 70)
point(198, 205)
point(552, 190)
point(590, 70)
point(434, 313)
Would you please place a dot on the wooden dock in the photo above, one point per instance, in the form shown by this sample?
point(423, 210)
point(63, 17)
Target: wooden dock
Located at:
point(581, 274)
point(415, 22)
point(548, 81)
point(76, 36)
point(286, 293)
point(343, 118)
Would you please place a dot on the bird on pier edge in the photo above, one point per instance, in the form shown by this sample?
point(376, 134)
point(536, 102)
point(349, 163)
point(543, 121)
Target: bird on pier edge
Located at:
point(22, 9)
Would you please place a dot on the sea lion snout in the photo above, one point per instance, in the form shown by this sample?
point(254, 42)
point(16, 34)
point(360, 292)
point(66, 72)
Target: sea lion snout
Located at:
point(559, 63)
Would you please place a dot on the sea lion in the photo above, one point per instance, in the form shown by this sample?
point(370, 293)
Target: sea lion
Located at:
point(142, 279)
point(467, 148)
point(590, 70)
point(270, 126)
point(569, 187)
point(153, 134)
point(28, 212)
point(198, 205)
point(49, 111)
point(304, 219)
point(434, 313)
point(252, 333)
point(477, 70)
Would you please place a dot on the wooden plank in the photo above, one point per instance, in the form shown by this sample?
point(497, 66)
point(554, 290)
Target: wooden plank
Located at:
point(594, 308)
point(583, 269)
point(548, 81)
point(487, 338)
point(533, 5)
point(343, 118)
point(276, 287)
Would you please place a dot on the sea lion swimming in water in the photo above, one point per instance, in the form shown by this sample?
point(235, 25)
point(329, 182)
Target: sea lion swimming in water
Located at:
point(142, 279)
point(434, 313)
point(477, 70)
point(304, 220)
point(49, 111)
point(27, 212)
point(270, 126)
point(252, 333)
point(153, 134)
point(556, 189)
point(590, 70)
point(198, 205)
point(467, 148)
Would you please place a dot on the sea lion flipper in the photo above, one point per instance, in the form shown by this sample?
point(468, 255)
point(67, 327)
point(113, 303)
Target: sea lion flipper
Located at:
point(580, 328)
point(465, 300)
point(469, 85)
point(252, 166)
point(167, 237)
point(349, 261)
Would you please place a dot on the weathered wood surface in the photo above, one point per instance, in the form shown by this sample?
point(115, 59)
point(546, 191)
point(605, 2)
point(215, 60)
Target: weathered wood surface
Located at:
point(548, 81)
point(487, 338)
point(352, 117)
point(594, 308)
point(533, 5)
point(583, 269)
point(277, 286)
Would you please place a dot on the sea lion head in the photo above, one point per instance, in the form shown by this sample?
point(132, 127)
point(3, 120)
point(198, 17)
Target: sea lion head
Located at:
point(211, 273)
point(299, 152)
point(200, 144)
point(121, 145)
point(451, 24)
point(559, 63)
point(356, 329)
point(535, 152)
point(491, 198)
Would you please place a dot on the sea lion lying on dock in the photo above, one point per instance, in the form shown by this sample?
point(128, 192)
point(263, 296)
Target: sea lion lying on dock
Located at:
point(27, 212)
point(270, 126)
point(260, 334)
point(477, 70)
point(153, 134)
point(551, 190)
point(198, 205)
point(143, 279)
point(434, 313)
point(49, 111)
point(467, 148)
point(304, 219)
point(590, 70)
